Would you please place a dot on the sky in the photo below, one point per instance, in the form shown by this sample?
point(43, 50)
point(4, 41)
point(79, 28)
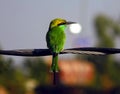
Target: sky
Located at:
point(24, 23)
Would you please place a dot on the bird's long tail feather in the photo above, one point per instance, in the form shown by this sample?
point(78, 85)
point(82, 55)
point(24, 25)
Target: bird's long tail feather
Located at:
point(54, 66)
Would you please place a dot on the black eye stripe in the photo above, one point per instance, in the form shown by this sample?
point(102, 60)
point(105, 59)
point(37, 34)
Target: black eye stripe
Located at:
point(62, 23)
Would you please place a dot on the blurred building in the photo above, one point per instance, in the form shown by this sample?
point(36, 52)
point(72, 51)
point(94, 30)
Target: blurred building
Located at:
point(3, 90)
point(75, 72)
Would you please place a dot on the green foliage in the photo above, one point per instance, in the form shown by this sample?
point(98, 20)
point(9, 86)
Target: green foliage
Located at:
point(103, 26)
point(10, 77)
point(36, 69)
point(106, 31)
point(106, 39)
point(14, 78)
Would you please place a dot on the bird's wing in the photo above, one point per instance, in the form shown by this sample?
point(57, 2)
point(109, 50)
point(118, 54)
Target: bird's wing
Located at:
point(45, 52)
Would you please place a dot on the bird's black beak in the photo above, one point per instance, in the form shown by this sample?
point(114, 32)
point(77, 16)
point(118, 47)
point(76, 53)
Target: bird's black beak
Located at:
point(68, 23)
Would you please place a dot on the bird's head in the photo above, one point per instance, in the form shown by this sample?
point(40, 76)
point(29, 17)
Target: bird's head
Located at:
point(59, 22)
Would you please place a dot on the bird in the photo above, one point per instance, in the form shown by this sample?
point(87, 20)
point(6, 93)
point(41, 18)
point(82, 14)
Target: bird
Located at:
point(55, 39)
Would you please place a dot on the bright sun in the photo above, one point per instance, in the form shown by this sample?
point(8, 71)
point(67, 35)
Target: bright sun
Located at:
point(75, 28)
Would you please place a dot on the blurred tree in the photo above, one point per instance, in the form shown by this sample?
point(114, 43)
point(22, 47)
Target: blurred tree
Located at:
point(36, 69)
point(106, 31)
point(11, 77)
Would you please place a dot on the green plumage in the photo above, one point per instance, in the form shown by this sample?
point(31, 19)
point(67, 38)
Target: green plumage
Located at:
point(55, 40)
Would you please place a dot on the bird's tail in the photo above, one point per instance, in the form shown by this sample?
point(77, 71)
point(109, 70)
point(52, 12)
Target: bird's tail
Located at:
point(54, 66)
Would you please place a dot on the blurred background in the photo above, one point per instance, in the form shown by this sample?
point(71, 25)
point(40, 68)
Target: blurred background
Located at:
point(24, 24)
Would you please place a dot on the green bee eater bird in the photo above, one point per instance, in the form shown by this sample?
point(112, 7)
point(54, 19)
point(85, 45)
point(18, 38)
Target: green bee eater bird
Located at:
point(56, 38)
